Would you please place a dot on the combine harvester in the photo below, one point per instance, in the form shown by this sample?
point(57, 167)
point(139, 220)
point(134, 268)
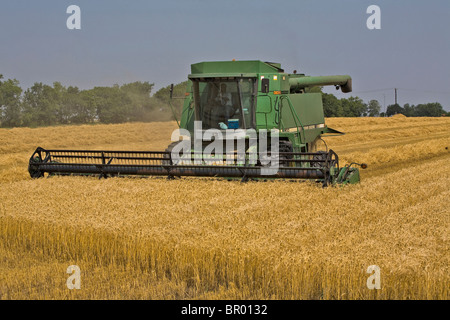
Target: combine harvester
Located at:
point(265, 119)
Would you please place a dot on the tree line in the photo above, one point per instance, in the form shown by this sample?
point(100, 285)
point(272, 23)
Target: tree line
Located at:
point(421, 110)
point(43, 105)
point(356, 107)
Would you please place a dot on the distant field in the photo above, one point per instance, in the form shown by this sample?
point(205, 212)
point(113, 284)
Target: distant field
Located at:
point(198, 238)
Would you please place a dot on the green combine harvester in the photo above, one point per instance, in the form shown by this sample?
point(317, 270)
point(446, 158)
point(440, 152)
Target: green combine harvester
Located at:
point(240, 119)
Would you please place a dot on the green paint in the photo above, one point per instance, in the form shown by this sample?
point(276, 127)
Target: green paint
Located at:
point(286, 106)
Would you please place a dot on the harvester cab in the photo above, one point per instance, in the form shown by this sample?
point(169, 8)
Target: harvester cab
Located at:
point(240, 119)
point(261, 96)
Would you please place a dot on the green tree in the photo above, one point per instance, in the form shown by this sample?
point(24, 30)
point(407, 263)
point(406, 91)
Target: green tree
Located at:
point(373, 108)
point(77, 106)
point(394, 109)
point(10, 103)
point(353, 107)
point(85, 108)
point(332, 106)
point(429, 110)
point(41, 105)
point(113, 105)
point(63, 113)
point(408, 110)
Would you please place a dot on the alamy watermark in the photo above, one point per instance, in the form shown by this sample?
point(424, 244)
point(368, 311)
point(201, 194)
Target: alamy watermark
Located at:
point(213, 153)
point(74, 20)
point(74, 281)
point(374, 21)
point(374, 281)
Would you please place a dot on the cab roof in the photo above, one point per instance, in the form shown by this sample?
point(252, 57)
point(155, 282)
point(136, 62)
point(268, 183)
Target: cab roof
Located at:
point(227, 68)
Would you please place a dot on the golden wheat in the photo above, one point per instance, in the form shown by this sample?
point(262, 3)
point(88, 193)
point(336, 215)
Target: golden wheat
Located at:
point(215, 239)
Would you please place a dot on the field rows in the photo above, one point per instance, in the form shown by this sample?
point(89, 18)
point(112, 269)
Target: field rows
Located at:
point(211, 238)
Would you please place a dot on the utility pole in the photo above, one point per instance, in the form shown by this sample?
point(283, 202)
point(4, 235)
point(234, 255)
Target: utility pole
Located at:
point(395, 95)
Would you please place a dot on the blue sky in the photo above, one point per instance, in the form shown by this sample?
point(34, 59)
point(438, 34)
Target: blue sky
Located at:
point(156, 41)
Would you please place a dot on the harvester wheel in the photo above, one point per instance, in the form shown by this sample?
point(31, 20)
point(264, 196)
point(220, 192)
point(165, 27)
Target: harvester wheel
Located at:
point(34, 169)
point(285, 146)
point(321, 155)
point(35, 172)
point(283, 160)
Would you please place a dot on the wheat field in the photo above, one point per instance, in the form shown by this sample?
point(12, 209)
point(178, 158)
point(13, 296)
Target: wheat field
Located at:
point(198, 238)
